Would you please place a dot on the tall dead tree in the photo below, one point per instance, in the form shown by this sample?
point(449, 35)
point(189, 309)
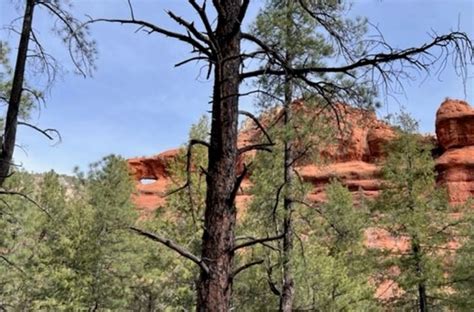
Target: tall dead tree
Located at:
point(82, 53)
point(11, 122)
point(220, 47)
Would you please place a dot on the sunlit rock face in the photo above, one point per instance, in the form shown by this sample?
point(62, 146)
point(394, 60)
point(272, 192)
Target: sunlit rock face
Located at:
point(152, 179)
point(455, 124)
point(354, 159)
point(455, 132)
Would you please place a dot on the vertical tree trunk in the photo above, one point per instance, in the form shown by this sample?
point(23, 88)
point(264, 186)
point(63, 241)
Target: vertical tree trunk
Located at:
point(422, 297)
point(9, 135)
point(288, 289)
point(215, 288)
point(422, 300)
point(287, 295)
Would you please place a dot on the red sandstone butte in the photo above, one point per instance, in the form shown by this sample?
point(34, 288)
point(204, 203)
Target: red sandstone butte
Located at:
point(455, 133)
point(354, 159)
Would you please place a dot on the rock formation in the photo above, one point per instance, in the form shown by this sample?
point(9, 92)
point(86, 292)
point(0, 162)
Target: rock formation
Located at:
point(455, 133)
point(354, 159)
point(152, 179)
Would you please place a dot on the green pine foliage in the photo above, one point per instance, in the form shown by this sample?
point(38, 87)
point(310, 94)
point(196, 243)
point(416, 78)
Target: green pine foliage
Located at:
point(67, 247)
point(72, 250)
point(330, 264)
point(412, 207)
point(462, 275)
point(168, 283)
point(288, 28)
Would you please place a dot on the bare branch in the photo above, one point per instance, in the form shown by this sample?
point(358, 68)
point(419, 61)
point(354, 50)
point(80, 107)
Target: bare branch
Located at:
point(173, 246)
point(188, 164)
point(37, 95)
point(257, 241)
point(204, 19)
point(277, 200)
point(3, 192)
point(75, 37)
point(131, 9)
point(196, 58)
point(153, 28)
point(12, 264)
point(243, 10)
point(260, 147)
point(271, 283)
point(189, 184)
point(44, 132)
point(321, 213)
point(267, 245)
point(246, 266)
point(419, 57)
point(191, 28)
point(259, 125)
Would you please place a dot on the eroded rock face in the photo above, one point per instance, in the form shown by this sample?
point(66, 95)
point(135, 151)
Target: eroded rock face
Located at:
point(455, 124)
point(151, 180)
point(354, 159)
point(455, 166)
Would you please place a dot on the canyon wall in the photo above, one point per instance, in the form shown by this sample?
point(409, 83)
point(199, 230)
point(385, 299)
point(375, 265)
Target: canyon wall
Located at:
point(355, 158)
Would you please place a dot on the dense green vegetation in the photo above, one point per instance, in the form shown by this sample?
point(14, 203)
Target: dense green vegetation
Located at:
point(68, 247)
point(77, 244)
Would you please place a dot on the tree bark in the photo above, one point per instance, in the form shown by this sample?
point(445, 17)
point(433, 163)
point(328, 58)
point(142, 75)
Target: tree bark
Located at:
point(215, 287)
point(286, 303)
point(422, 300)
point(288, 289)
point(11, 123)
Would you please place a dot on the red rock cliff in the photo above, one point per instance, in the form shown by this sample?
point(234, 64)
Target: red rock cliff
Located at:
point(455, 133)
point(354, 159)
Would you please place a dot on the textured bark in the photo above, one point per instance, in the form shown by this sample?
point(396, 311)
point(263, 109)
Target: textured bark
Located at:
point(215, 287)
point(422, 300)
point(11, 123)
point(288, 288)
point(288, 292)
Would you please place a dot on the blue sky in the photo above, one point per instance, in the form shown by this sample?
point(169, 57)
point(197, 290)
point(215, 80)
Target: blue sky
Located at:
point(137, 103)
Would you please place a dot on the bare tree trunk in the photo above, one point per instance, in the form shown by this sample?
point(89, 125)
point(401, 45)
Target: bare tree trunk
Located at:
point(422, 297)
point(422, 300)
point(288, 289)
point(288, 292)
point(11, 123)
point(215, 287)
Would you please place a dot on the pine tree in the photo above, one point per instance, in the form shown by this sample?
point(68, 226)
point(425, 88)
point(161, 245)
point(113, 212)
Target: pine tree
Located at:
point(81, 50)
point(181, 217)
point(412, 207)
point(15, 243)
point(76, 253)
point(219, 46)
point(330, 264)
point(461, 277)
point(288, 26)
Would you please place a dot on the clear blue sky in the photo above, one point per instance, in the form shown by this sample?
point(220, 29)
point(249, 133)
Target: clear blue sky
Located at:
point(137, 103)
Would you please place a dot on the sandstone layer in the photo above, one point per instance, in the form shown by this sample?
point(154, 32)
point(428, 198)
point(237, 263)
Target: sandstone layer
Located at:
point(455, 133)
point(354, 159)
